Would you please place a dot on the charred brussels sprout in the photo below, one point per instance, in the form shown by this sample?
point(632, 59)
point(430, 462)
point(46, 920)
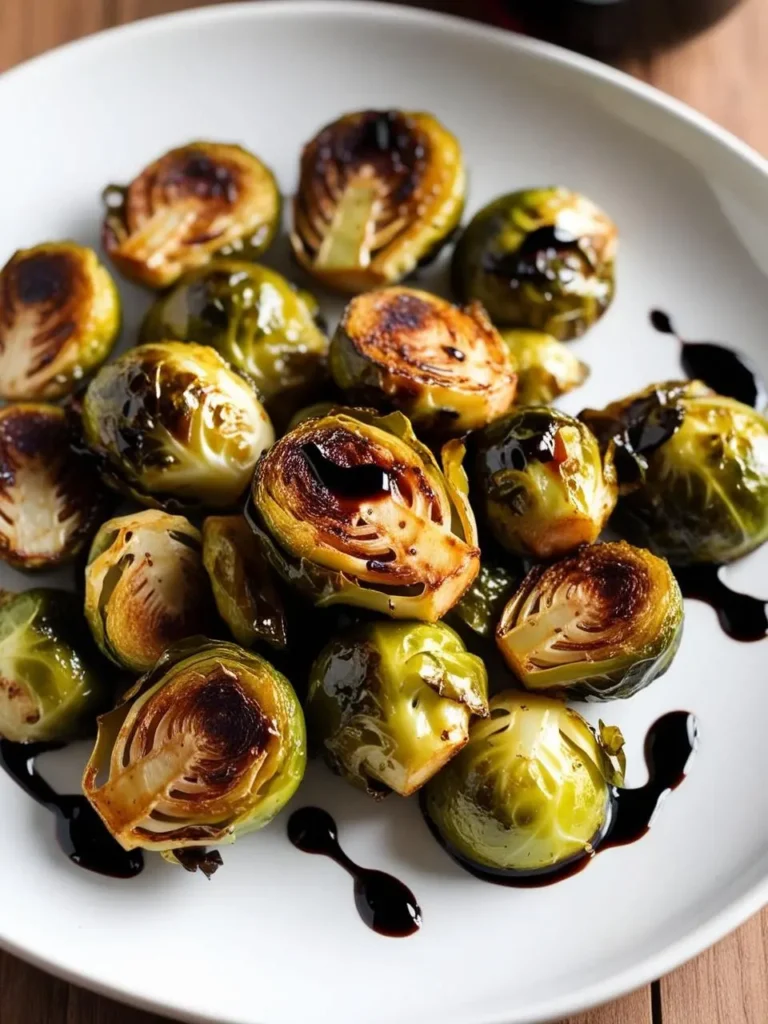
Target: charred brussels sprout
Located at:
point(352, 509)
point(541, 258)
point(59, 318)
point(693, 471)
point(545, 486)
point(379, 192)
point(145, 587)
point(51, 500)
point(207, 746)
point(51, 688)
point(254, 318)
point(601, 624)
point(390, 703)
point(530, 791)
point(481, 606)
point(189, 205)
point(446, 368)
point(242, 580)
point(545, 367)
point(173, 423)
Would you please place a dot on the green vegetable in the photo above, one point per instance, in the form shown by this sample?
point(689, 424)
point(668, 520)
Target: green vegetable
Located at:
point(51, 500)
point(600, 624)
point(190, 205)
point(242, 580)
point(208, 745)
point(545, 486)
point(446, 368)
point(481, 606)
point(545, 367)
point(379, 192)
point(59, 318)
point(530, 790)
point(145, 587)
point(390, 703)
point(541, 258)
point(172, 423)
point(693, 471)
point(350, 508)
point(51, 681)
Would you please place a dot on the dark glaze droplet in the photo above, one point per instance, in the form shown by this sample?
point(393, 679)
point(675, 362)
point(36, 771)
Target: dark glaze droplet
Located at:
point(361, 482)
point(741, 617)
point(532, 259)
point(454, 353)
point(80, 831)
point(725, 370)
point(668, 747)
point(383, 902)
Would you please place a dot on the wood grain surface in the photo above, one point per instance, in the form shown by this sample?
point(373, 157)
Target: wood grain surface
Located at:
point(725, 75)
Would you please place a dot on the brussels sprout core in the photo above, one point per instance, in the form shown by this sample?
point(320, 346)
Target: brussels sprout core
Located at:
point(51, 500)
point(379, 191)
point(207, 746)
point(530, 790)
point(59, 317)
point(601, 624)
point(190, 204)
point(445, 368)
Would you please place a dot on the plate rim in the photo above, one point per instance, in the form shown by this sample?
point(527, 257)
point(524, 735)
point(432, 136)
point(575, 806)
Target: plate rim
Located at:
point(718, 924)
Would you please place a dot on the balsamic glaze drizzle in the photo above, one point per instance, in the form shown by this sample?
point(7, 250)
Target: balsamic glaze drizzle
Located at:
point(384, 903)
point(367, 481)
point(741, 616)
point(80, 831)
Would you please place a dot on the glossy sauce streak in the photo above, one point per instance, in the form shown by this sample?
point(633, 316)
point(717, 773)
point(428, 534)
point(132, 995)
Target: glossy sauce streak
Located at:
point(79, 830)
point(368, 481)
point(384, 903)
point(723, 369)
point(668, 748)
point(532, 258)
point(742, 617)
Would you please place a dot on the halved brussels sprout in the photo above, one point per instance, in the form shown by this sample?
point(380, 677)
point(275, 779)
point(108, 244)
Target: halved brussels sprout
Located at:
point(189, 205)
point(390, 703)
point(600, 624)
point(693, 471)
point(545, 486)
point(51, 684)
point(446, 368)
point(317, 409)
point(172, 423)
point(145, 587)
point(208, 745)
point(540, 258)
point(59, 318)
point(352, 509)
point(379, 192)
point(481, 606)
point(530, 791)
point(51, 500)
point(243, 586)
point(253, 317)
point(545, 367)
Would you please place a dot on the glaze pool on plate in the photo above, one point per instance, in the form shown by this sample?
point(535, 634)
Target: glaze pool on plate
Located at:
point(689, 202)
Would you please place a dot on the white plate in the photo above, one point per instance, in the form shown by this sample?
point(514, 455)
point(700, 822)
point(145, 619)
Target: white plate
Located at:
point(274, 938)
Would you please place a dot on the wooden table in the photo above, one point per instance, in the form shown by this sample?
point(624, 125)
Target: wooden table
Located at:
point(724, 74)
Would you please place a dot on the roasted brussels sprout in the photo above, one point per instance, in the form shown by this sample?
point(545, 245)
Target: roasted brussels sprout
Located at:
point(446, 368)
point(545, 367)
point(481, 606)
point(51, 687)
point(379, 192)
point(531, 790)
point(191, 204)
point(254, 318)
point(59, 318)
point(693, 471)
point(313, 411)
point(545, 486)
point(173, 423)
point(51, 500)
point(145, 587)
point(541, 258)
point(242, 580)
point(390, 703)
point(208, 745)
point(352, 509)
point(602, 623)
